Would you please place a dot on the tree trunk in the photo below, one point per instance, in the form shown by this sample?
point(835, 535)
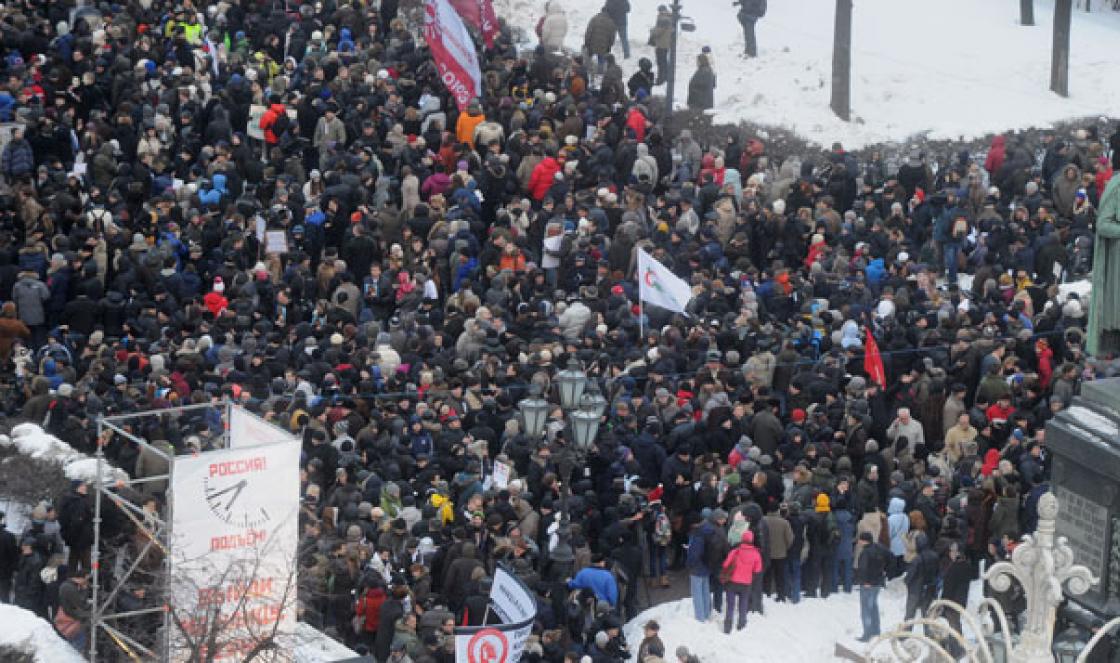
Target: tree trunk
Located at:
point(842, 61)
point(1026, 12)
point(1059, 59)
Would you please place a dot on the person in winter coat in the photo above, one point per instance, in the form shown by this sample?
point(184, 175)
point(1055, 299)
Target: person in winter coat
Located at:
point(702, 86)
point(544, 176)
point(642, 81)
point(391, 611)
point(871, 575)
point(644, 171)
point(955, 581)
point(661, 39)
point(823, 537)
point(598, 39)
point(741, 567)
point(619, 11)
point(75, 516)
point(1064, 190)
point(11, 329)
point(921, 578)
point(17, 162)
point(749, 13)
point(554, 26)
point(898, 524)
point(27, 585)
point(330, 133)
point(781, 539)
point(73, 598)
point(797, 522)
point(31, 295)
point(845, 549)
point(698, 572)
point(9, 560)
point(269, 118)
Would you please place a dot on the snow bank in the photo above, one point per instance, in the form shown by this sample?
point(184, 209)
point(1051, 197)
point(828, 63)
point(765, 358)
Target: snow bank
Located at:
point(23, 629)
point(313, 646)
point(31, 440)
point(807, 631)
point(947, 70)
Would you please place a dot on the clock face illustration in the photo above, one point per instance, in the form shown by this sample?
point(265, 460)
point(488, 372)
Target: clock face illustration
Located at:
point(231, 500)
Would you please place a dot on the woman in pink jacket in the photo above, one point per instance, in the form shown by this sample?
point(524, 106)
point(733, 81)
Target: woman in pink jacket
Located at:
point(740, 567)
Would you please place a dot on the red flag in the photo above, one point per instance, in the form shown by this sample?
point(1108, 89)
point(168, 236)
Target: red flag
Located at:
point(453, 51)
point(873, 361)
point(479, 14)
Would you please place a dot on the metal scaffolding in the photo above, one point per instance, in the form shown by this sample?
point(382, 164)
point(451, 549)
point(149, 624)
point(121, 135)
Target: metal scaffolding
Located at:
point(155, 529)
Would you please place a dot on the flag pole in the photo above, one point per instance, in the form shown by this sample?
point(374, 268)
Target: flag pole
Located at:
point(641, 320)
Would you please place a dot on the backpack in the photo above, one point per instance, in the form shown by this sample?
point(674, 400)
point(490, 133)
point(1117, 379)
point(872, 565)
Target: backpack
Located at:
point(281, 124)
point(662, 529)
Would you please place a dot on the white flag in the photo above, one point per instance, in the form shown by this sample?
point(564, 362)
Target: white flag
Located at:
point(657, 285)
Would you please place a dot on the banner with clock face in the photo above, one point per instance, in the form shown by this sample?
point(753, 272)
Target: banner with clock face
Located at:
point(233, 554)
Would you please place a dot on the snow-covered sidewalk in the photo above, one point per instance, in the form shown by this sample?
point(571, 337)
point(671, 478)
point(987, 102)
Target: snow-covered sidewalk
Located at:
point(949, 70)
point(807, 631)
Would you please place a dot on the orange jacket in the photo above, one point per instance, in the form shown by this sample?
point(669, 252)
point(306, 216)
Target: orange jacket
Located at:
point(464, 128)
point(515, 263)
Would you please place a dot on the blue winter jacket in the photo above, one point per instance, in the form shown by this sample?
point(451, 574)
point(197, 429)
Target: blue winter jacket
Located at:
point(600, 581)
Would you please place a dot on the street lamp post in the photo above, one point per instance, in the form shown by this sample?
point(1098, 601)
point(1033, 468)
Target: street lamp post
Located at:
point(680, 24)
point(584, 406)
point(671, 85)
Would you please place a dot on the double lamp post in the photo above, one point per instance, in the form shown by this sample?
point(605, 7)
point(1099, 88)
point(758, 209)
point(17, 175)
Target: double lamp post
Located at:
point(583, 407)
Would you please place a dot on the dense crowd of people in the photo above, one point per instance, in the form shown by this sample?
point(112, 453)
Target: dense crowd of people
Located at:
point(279, 204)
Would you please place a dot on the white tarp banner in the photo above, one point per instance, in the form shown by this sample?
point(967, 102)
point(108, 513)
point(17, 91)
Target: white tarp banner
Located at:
point(659, 286)
point(513, 604)
point(248, 430)
point(233, 552)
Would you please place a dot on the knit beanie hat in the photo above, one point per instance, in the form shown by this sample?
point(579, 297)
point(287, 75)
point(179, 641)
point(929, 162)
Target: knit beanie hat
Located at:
point(823, 503)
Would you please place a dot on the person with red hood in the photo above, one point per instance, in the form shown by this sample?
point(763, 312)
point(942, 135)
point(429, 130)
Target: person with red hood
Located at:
point(637, 121)
point(816, 247)
point(544, 174)
point(268, 120)
point(991, 462)
point(739, 569)
point(997, 154)
point(214, 300)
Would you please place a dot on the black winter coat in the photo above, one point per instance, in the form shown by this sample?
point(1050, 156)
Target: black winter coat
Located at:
point(701, 89)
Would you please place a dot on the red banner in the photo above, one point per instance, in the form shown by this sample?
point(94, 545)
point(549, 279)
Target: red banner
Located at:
point(480, 14)
point(453, 51)
point(873, 361)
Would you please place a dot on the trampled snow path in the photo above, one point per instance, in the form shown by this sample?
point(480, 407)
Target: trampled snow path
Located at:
point(807, 631)
point(950, 69)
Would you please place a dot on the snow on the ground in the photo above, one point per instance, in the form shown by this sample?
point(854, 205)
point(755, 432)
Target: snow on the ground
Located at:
point(951, 69)
point(806, 631)
point(313, 646)
point(31, 440)
point(23, 629)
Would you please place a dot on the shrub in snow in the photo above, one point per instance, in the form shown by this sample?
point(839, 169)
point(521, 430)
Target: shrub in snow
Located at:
point(31, 440)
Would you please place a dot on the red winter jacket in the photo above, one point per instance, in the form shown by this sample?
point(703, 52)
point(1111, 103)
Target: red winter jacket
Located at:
point(636, 121)
point(215, 302)
point(542, 178)
point(746, 559)
point(269, 119)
